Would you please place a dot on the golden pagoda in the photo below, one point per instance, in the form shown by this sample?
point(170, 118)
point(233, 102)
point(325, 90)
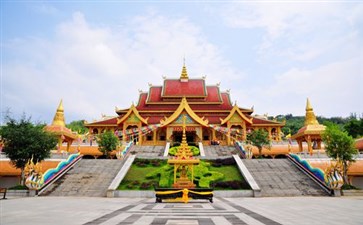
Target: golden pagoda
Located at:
point(58, 127)
point(310, 132)
point(183, 161)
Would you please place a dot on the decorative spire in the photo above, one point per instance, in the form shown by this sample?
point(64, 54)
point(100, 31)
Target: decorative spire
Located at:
point(184, 74)
point(59, 116)
point(310, 118)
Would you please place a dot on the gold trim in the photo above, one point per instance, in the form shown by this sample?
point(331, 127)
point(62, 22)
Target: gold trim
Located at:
point(132, 110)
point(233, 111)
point(183, 106)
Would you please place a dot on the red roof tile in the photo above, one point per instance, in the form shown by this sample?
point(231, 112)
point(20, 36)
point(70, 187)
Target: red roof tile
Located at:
point(176, 88)
point(111, 121)
point(154, 94)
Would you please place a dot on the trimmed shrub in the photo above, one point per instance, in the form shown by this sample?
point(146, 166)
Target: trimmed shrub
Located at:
point(195, 150)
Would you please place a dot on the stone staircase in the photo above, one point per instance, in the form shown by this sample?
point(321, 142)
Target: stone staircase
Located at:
point(219, 151)
point(150, 152)
point(279, 177)
point(89, 177)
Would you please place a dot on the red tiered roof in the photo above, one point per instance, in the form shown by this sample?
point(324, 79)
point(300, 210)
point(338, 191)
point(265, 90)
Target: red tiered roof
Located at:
point(191, 88)
point(154, 95)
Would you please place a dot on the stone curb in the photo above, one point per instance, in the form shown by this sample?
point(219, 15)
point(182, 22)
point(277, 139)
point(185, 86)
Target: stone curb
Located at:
point(120, 176)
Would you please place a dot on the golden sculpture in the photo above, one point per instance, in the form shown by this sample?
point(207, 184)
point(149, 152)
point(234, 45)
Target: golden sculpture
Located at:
point(334, 175)
point(33, 175)
point(183, 161)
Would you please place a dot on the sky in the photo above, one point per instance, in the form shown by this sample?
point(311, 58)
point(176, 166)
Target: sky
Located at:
point(97, 55)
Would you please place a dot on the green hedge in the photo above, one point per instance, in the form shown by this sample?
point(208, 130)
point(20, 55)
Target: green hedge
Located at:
point(195, 150)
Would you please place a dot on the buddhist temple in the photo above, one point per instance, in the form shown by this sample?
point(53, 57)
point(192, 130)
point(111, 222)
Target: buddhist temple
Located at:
point(210, 115)
point(58, 127)
point(310, 132)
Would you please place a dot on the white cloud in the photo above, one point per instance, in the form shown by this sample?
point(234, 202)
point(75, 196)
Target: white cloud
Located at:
point(300, 31)
point(334, 90)
point(95, 69)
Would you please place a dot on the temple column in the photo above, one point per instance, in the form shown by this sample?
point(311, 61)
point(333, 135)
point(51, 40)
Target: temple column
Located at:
point(60, 141)
point(154, 136)
point(168, 133)
point(244, 131)
point(229, 134)
point(200, 134)
point(213, 134)
point(310, 148)
point(319, 144)
point(269, 133)
point(140, 133)
point(278, 130)
point(300, 145)
point(124, 133)
point(68, 145)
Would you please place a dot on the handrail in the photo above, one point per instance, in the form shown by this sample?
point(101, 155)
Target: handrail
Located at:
point(316, 174)
point(239, 147)
point(52, 175)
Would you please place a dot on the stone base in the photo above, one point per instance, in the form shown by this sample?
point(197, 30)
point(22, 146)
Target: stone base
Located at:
point(337, 193)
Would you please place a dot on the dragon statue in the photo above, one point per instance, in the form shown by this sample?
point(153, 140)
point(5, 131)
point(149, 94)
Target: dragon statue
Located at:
point(33, 175)
point(333, 175)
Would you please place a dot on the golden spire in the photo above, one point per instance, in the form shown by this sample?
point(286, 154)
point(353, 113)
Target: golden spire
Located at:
point(59, 116)
point(310, 118)
point(184, 74)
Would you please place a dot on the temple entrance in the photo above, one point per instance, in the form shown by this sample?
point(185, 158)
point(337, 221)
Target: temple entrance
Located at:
point(178, 135)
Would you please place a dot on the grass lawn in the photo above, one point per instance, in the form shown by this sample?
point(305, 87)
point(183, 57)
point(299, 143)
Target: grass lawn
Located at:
point(230, 172)
point(135, 178)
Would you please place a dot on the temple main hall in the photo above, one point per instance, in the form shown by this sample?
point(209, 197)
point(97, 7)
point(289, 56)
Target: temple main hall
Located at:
point(211, 117)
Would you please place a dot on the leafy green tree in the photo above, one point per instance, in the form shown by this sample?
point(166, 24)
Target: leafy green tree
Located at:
point(24, 140)
point(354, 127)
point(107, 142)
point(258, 138)
point(340, 146)
point(78, 126)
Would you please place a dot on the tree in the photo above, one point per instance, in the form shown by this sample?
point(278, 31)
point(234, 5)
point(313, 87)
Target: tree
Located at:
point(24, 140)
point(78, 126)
point(354, 127)
point(340, 146)
point(258, 138)
point(107, 142)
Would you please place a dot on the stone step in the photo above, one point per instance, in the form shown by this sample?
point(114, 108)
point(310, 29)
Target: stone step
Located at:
point(219, 151)
point(89, 177)
point(279, 177)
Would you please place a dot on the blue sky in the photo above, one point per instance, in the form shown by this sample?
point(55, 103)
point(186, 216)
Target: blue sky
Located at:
point(97, 55)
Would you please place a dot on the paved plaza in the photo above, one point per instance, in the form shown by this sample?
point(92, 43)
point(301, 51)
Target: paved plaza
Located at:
point(112, 211)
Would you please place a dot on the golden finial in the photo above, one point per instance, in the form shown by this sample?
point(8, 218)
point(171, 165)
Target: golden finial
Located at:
point(310, 118)
point(184, 74)
point(59, 116)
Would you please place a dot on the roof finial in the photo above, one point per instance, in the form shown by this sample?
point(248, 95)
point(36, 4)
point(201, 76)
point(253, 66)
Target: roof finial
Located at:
point(310, 118)
point(184, 75)
point(59, 116)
